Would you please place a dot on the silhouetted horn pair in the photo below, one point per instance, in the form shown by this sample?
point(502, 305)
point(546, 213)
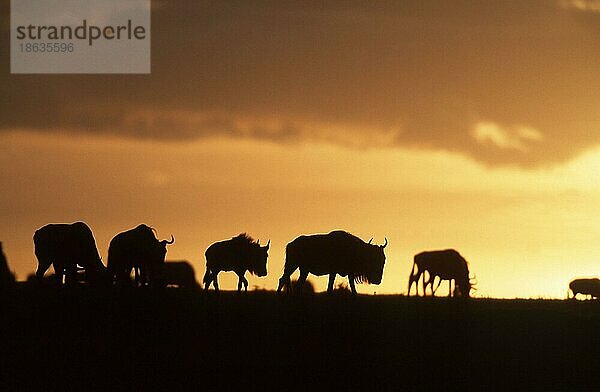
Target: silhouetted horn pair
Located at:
point(165, 242)
point(383, 246)
point(266, 246)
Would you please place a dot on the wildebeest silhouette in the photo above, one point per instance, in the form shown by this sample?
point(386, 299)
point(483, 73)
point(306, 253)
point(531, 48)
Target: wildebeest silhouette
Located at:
point(238, 254)
point(443, 264)
point(590, 287)
point(7, 278)
point(66, 246)
point(137, 249)
point(180, 273)
point(335, 253)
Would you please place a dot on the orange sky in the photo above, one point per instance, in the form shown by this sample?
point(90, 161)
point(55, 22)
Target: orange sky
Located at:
point(471, 125)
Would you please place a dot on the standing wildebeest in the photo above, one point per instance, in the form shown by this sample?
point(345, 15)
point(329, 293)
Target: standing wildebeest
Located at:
point(444, 264)
point(180, 274)
point(239, 254)
point(339, 253)
point(589, 287)
point(66, 246)
point(137, 249)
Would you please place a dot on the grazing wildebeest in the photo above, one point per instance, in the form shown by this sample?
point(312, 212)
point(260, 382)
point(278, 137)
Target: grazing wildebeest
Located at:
point(336, 253)
point(137, 249)
point(239, 254)
point(443, 264)
point(589, 287)
point(7, 278)
point(180, 274)
point(66, 246)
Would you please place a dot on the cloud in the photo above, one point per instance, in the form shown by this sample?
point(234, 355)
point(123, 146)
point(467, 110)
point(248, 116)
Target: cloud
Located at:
point(582, 5)
point(416, 74)
point(514, 139)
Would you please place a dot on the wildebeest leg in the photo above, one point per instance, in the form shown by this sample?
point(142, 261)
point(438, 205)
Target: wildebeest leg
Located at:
point(215, 281)
point(428, 283)
point(43, 265)
point(449, 287)
point(414, 279)
point(425, 283)
point(240, 277)
point(351, 282)
point(242, 281)
point(59, 270)
point(411, 279)
point(426, 277)
point(207, 280)
point(302, 280)
point(284, 281)
point(331, 282)
point(438, 285)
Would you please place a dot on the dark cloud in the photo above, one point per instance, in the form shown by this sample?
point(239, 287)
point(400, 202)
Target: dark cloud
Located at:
point(426, 72)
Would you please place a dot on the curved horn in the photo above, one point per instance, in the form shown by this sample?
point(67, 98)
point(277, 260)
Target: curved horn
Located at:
point(257, 242)
point(268, 244)
point(385, 244)
point(370, 240)
point(170, 242)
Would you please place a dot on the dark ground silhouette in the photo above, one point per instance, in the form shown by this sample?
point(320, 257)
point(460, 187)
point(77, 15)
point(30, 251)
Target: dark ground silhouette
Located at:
point(173, 339)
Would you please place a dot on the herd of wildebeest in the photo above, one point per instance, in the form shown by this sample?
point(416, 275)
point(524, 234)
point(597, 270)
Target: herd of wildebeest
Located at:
point(136, 258)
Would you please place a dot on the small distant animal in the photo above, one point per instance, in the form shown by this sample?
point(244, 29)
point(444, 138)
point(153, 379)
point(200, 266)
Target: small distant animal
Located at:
point(589, 287)
point(66, 246)
point(238, 254)
point(443, 264)
point(180, 274)
point(139, 250)
point(335, 253)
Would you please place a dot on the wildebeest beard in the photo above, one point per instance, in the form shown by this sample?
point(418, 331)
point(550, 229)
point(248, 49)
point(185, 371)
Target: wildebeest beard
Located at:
point(361, 278)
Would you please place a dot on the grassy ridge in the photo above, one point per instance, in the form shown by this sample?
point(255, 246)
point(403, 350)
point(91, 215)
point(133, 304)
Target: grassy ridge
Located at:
point(141, 339)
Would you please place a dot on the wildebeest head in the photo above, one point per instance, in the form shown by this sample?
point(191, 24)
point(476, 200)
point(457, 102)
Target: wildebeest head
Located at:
point(375, 261)
point(86, 243)
point(157, 261)
point(464, 285)
point(259, 259)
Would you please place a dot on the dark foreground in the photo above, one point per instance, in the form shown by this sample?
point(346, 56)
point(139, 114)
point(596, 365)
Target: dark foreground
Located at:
point(80, 338)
